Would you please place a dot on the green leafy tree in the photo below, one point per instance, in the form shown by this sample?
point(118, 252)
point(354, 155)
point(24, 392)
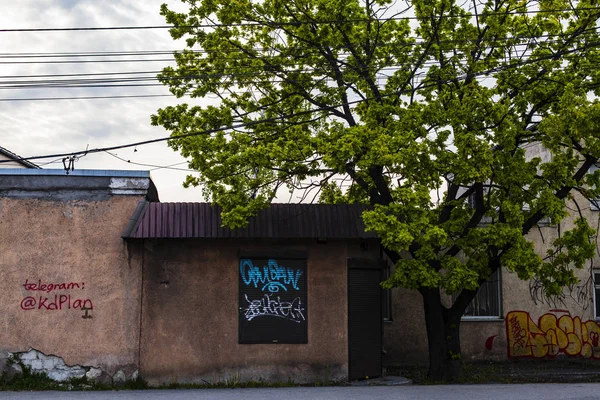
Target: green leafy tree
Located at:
point(423, 112)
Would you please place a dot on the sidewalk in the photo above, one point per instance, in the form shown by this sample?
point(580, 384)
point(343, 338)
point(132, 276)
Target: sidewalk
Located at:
point(580, 391)
point(518, 371)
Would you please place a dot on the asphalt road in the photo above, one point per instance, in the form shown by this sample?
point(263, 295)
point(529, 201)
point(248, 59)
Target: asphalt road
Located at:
point(572, 391)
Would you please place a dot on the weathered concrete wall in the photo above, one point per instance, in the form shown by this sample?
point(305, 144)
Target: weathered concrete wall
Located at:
point(404, 337)
point(69, 286)
point(537, 325)
point(190, 314)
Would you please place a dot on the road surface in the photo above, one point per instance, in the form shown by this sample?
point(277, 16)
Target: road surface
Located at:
point(571, 391)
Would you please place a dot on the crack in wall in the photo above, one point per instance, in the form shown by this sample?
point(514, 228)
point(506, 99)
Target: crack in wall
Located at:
point(57, 370)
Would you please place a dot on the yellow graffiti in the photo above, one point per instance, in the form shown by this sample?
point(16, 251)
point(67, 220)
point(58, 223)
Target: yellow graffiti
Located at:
point(552, 335)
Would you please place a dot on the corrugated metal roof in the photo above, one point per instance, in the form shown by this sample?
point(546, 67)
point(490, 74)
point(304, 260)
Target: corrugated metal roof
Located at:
point(202, 220)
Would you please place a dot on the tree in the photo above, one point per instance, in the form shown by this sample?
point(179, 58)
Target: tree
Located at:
point(423, 112)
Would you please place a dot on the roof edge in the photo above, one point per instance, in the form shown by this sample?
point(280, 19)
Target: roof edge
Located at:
point(111, 173)
point(135, 219)
point(19, 159)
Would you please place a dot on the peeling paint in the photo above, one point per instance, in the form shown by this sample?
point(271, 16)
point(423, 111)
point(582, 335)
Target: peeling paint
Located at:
point(53, 366)
point(56, 368)
point(129, 186)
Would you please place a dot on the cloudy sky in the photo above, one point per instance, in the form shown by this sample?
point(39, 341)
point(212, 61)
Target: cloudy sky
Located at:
point(31, 128)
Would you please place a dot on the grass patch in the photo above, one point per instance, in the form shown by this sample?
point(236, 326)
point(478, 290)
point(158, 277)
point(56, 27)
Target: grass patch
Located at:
point(31, 381)
point(229, 383)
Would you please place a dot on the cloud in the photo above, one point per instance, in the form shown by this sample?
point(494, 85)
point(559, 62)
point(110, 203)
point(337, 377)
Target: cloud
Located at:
point(32, 128)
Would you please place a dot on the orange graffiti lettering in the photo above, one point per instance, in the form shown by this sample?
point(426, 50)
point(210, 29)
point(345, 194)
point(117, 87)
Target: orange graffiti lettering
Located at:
point(551, 336)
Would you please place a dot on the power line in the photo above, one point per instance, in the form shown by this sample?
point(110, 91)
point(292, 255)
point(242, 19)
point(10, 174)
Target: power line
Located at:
point(552, 38)
point(155, 167)
point(79, 86)
point(105, 83)
point(66, 84)
point(287, 116)
point(89, 54)
point(417, 41)
point(80, 74)
point(86, 98)
point(106, 28)
point(294, 23)
point(135, 80)
point(50, 162)
point(87, 61)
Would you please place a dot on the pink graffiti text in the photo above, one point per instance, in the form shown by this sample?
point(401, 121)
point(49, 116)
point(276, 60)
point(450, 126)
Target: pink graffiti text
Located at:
point(50, 287)
point(56, 303)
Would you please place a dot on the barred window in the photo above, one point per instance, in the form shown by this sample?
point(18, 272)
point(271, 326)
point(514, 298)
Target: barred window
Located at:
point(594, 203)
point(597, 294)
point(488, 301)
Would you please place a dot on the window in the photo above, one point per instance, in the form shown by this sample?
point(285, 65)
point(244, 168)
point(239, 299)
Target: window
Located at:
point(488, 301)
point(597, 294)
point(485, 219)
point(272, 300)
point(594, 203)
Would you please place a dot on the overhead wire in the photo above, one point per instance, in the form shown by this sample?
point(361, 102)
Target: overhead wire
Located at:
point(412, 41)
point(248, 124)
point(154, 166)
point(114, 84)
point(86, 61)
point(123, 82)
point(552, 38)
point(83, 98)
point(493, 44)
point(136, 82)
point(80, 74)
point(55, 84)
point(293, 23)
point(104, 82)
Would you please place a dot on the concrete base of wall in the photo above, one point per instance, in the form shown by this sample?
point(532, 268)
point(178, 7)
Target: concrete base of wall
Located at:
point(299, 374)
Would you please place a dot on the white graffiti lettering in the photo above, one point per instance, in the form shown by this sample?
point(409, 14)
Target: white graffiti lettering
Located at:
point(266, 306)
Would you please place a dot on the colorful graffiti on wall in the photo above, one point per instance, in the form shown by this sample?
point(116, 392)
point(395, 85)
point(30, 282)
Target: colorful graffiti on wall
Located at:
point(552, 335)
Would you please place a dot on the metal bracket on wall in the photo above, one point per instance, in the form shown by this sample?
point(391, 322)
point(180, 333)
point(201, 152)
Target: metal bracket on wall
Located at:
point(86, 315)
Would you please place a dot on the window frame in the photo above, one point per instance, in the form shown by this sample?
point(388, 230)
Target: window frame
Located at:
point(594, 203)
point(596, 286)
point(500, 315)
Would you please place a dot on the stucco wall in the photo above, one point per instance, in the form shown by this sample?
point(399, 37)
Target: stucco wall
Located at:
point(190, 314)
point(76, 247)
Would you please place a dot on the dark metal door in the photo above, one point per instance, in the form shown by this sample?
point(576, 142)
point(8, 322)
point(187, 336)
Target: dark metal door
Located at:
point(365, 328)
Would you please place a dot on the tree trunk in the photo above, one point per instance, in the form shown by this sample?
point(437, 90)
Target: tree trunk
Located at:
point(443, 336)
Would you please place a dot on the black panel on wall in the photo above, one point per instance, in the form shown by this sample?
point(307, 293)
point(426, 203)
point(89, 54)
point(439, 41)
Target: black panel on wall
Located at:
point(272, 301)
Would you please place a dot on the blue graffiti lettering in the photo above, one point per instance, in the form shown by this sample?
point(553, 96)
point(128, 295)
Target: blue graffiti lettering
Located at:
point(272, 277)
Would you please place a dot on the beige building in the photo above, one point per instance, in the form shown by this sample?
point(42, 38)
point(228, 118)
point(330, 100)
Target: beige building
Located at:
point(9, 159)
point(511, 318)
